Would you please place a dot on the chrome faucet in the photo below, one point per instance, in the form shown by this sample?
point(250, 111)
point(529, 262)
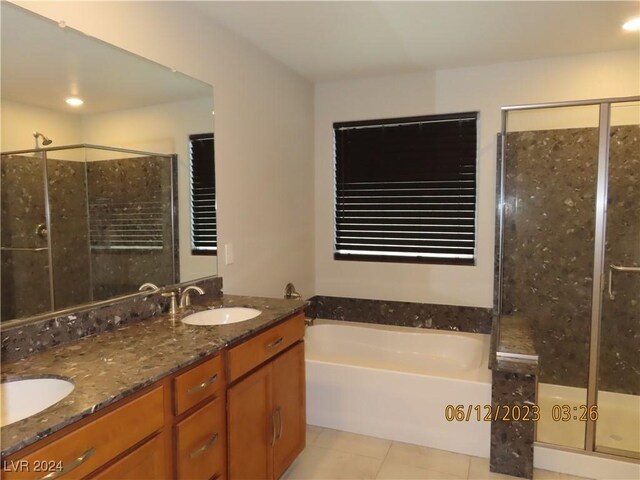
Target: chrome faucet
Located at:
point(185, 299)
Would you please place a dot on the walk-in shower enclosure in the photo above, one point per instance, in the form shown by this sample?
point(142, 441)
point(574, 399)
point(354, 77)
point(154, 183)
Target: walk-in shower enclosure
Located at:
point(83, 223)
point(569, 250)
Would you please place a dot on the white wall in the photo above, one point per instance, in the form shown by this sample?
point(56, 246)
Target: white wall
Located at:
point(19, 121)
point(484, 89)
point(264, 132)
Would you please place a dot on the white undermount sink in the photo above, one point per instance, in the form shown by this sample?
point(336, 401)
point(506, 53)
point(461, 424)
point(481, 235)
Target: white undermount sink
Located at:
point(22, 398)
point(221, 316)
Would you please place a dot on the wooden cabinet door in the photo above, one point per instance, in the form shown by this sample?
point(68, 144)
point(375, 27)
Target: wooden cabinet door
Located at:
point(146, 462)
point(288, 407)
point(250, 427)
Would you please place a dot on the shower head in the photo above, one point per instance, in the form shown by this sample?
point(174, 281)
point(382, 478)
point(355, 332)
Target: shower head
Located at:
point(45, 140)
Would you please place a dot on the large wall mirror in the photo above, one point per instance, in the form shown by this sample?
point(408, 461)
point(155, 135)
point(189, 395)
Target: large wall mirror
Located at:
point(98, 198)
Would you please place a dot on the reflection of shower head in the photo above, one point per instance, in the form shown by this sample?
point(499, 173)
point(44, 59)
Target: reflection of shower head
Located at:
point(45, 140)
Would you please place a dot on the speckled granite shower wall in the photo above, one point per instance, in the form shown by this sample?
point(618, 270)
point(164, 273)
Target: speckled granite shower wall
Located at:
point(131, 196)
point(549, 247)
point(69, 237)
point(25, 273)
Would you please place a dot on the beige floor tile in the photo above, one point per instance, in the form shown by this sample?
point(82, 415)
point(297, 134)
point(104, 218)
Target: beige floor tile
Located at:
point(479, 470)
point(429, 459)
point(318, 463)
point(353, 443)
point(545, 475)
point(402, 471)
point(312, 433)
point(564, 476)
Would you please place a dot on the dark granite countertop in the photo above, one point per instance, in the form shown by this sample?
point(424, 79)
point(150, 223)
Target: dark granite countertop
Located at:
point(109, 366)
point(512, 346)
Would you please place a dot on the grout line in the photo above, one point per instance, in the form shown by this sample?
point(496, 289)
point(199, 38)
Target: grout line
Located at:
point(384, 459)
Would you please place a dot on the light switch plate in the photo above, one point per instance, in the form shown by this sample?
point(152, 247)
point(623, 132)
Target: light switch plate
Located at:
point(228, 253)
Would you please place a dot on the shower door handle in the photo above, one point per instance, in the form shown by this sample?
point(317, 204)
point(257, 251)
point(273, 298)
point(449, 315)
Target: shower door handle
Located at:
point(619, 268)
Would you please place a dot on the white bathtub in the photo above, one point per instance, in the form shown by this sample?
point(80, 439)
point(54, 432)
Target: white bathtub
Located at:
point(395, 383)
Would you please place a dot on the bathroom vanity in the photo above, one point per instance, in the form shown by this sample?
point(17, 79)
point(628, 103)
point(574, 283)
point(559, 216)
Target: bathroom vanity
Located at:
point(161, 399)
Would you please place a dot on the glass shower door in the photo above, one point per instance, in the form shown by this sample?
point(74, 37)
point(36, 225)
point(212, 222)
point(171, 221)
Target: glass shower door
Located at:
point(550, 172)
point(618, 424)
point(24, 244)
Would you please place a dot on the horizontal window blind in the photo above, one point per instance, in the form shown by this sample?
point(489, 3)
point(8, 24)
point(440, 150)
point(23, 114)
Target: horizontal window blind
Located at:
point(204, 234)
point(406, 189)
point(135, 225)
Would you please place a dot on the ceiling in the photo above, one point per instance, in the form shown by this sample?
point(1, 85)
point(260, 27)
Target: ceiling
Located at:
point(43, 64)
point(333, 40)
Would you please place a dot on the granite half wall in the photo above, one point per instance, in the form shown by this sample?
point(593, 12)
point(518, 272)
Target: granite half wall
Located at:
point(405, 314)
point(548, 251)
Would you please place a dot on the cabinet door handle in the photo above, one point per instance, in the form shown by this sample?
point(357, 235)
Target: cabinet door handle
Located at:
point(72, 466)
point(203, 385)
point(281, 426)
point(273, 428)
point(210, 443)
point(275, 343)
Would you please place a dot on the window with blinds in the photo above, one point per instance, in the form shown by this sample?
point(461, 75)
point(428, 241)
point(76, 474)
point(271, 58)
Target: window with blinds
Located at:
point(405, 189)
point(204, 235)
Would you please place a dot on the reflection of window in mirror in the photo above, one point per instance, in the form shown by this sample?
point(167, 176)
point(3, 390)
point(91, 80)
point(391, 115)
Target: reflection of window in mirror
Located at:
point(204, 239)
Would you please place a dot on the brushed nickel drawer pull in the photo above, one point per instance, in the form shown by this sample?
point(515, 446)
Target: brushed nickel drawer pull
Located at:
point(275, 343)
point(279, 412)
point(203, 385)
point(199, 451)
point(273, 428)
point(72, 466)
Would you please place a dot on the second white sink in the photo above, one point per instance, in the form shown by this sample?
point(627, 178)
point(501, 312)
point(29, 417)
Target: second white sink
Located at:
point(221, 316)
point(23, 398)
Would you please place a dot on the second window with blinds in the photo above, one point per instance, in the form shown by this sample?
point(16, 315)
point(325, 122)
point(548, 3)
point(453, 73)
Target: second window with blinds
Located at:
point(405, 189)
point(204, 232)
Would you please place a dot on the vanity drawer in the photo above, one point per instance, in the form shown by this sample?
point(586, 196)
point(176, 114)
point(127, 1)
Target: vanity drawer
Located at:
point(198, 383)
point(201, 443)
point(260, 348)
point(84, 450)
point(144, 463)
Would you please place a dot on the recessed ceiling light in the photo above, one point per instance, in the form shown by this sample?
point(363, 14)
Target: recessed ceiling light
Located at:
point(74, 101)
point(632, 25)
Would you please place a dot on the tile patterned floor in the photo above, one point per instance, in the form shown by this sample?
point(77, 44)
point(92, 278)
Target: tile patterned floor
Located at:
point(336, 455)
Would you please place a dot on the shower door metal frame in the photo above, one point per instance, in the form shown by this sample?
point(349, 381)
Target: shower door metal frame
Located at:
point(602, 182)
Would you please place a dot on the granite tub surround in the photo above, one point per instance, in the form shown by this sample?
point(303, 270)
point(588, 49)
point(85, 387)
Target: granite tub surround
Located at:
point(512, 441)
point(405, 314)
point(108, 367)
point(21, 341)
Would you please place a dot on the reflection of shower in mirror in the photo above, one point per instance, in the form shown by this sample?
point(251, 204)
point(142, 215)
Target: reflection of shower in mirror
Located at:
point(45, 140)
